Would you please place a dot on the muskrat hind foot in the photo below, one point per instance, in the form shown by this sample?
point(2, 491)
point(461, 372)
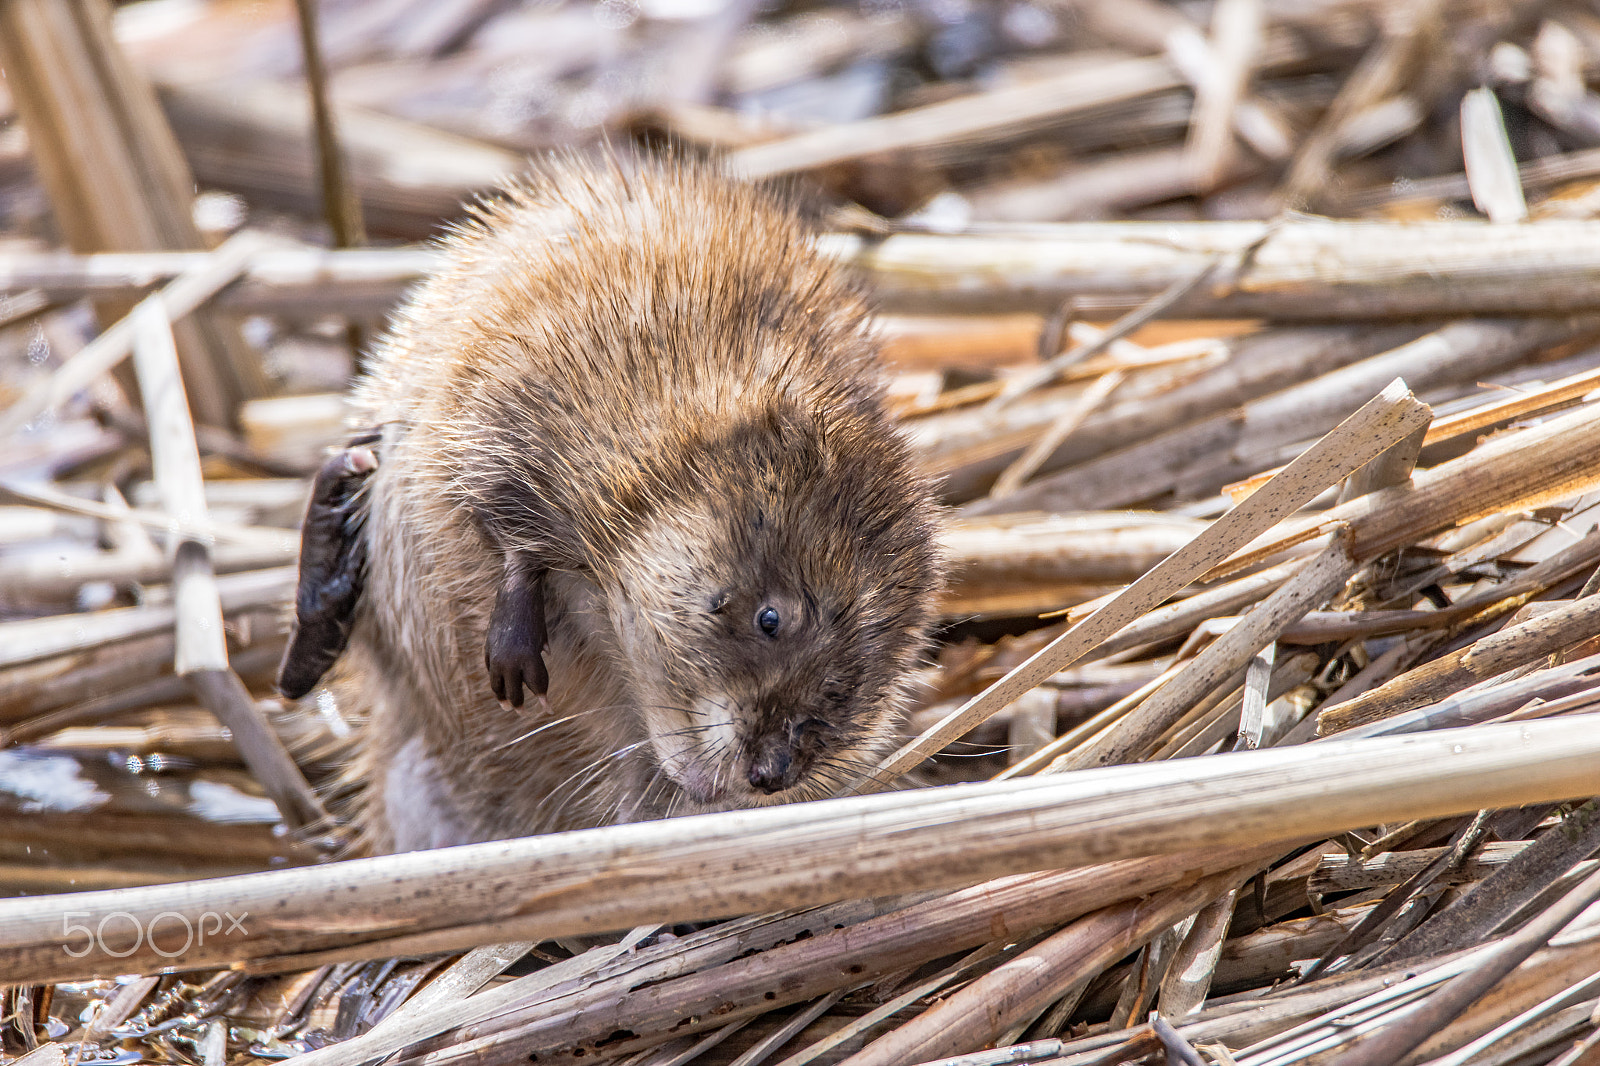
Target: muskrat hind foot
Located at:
point(333, 557)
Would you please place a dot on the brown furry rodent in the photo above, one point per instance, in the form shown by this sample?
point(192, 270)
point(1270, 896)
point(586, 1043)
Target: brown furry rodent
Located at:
point(632, 434)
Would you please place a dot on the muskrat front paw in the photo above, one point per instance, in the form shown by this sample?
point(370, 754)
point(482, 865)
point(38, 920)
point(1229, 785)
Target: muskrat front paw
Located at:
point(514, 646)
point(512, 666)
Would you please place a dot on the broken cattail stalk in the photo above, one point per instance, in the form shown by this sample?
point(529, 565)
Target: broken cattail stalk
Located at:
point(1511, 472)
point(202, 651)
point(207, 273)
point(978, 1014)
point(1209, 453)
point(1317, 581)
point(1498, 652)
point(31, 639)
point(1389, 417)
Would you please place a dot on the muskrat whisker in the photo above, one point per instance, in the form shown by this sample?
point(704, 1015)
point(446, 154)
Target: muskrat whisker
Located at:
point(578, 714)
point(541, 728)
point(591, 768)
point(567, 788)
point(657, 777)
point(844, 773)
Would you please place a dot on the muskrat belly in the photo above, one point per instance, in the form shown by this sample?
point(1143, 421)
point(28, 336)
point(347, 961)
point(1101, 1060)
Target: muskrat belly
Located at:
point(513, 779)
point(419, 809)
point(456, 767)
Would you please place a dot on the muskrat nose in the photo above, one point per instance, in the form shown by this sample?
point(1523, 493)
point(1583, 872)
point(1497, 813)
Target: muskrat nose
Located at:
point(771, 771)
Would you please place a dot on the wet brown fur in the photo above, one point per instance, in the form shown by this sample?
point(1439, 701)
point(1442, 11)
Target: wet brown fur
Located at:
point(655, 386)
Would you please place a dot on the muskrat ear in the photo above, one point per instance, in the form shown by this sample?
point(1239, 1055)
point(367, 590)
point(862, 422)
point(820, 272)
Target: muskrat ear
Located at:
point(720, 601)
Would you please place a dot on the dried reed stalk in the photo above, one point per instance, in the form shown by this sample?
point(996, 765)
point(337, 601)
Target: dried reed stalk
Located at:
point(1307, 269)
point(804, 854)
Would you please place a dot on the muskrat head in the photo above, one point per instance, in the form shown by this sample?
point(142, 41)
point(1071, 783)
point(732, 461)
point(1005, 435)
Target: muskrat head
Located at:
point(769, 630)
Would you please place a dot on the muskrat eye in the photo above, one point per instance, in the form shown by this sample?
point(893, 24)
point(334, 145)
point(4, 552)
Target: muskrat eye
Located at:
point(768, 621)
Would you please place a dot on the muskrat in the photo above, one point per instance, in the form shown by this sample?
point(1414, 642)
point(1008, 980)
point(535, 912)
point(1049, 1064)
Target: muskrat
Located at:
point(632, 457)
